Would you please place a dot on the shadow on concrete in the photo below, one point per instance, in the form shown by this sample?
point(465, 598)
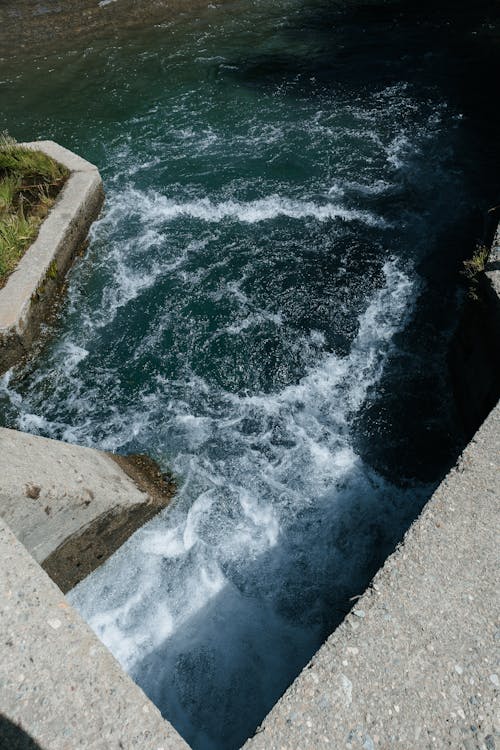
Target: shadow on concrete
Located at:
point(12, 737)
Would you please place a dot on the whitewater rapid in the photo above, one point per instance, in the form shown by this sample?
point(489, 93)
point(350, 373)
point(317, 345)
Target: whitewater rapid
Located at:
point(264, 543)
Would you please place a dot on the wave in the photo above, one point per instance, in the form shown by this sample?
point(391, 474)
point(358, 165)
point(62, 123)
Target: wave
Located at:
point(155, 209)
point(239, 578)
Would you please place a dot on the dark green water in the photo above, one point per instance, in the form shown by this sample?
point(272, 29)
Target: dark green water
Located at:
point(265, 307)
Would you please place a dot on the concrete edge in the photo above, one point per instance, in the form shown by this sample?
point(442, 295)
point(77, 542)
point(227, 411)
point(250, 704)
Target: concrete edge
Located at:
point(72, 506)
point(87, 549)
point(382, 678)
point(31, 290)
point(88, 701)
point(492, 268)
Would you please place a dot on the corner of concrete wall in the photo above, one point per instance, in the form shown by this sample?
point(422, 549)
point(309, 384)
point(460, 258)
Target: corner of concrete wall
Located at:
point(31, 290)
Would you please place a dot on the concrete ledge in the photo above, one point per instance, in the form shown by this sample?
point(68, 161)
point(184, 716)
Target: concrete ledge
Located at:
point(72, 507)
point(58, 682)
point(27, 297)
point(492, 270)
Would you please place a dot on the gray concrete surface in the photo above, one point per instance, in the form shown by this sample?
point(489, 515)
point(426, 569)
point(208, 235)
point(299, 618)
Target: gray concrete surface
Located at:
point(71, 507)
point(50, 490)
point(57, 681)
point(492, 269)
point(415, 665)
point(30, 291)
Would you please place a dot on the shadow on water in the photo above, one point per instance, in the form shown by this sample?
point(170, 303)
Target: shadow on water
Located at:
point(407, 430)
point(252, 638)
point(444, 51)
point(12, 737)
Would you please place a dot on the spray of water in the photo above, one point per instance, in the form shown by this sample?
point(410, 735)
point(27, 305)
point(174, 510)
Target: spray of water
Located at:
point(212, 606)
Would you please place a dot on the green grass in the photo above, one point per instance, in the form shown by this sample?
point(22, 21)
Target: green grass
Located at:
point(28, 163)
point(16, 233)
point(29, 183)
point(473, 268)
point(476, 264)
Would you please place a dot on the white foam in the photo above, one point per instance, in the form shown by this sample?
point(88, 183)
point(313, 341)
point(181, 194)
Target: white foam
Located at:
point(237, 511)
point(156, 209)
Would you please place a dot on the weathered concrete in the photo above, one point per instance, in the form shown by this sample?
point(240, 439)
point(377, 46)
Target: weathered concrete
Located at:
point(57, 681)
point(72, 507)
point(492, 270)
point(29, 294)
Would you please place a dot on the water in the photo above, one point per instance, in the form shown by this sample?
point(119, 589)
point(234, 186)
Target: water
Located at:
point(264, 307)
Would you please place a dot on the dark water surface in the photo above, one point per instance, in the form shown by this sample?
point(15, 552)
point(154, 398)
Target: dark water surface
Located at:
point(265, 308)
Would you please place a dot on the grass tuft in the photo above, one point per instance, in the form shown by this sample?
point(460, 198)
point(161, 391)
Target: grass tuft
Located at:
point(474, 267)
point(27, 162)
point(29, 183)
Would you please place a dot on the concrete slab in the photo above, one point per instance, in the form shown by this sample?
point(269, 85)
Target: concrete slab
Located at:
point(30, 291)
point(71, 507)
point(58, 683)
point(492, 269)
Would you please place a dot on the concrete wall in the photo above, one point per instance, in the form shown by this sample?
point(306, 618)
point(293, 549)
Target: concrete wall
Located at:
point(415, 664)
point(58, 684)
point(72, 507)
point(31, 290)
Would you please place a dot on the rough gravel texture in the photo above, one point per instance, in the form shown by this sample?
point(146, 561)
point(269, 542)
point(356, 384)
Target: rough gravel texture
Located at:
point(57, 681)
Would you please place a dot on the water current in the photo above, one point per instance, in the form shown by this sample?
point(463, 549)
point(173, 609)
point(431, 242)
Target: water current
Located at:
point(264, 307)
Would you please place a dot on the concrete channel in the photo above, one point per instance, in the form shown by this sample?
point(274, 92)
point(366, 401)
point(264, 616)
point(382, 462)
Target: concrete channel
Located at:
point(412, 665)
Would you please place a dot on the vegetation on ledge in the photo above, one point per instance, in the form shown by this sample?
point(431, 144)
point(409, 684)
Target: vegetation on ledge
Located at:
point(29, 183)
point(474, 267)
